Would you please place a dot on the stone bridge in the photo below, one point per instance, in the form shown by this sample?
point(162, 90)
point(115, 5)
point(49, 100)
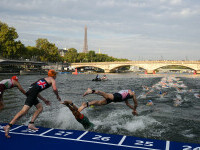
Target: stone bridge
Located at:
point(149, 66)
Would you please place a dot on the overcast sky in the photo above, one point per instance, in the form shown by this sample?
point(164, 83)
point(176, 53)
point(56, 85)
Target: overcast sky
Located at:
point(132, 29)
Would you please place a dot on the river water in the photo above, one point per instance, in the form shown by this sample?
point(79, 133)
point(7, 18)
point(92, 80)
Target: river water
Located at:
point(163, 120)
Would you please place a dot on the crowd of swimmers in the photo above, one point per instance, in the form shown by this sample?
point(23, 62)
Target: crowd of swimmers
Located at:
point(161, 89)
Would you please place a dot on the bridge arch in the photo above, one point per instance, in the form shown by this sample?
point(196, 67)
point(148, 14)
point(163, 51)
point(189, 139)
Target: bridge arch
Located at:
point(152, 69)
point(121, 66)
point(177, 65)
point(85, 66)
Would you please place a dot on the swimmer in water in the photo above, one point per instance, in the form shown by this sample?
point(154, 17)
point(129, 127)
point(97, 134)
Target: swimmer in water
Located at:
point(177, 102)
point(162, 94)
point(145, 88)
point(178, 89)
point(104, 77)
point(79, 116)
point(120, 96)
point(150, 91)
point(197, 95)
point(149, 103)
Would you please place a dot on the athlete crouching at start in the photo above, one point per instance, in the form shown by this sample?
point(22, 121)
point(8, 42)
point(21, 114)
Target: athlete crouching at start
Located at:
point(32, 99)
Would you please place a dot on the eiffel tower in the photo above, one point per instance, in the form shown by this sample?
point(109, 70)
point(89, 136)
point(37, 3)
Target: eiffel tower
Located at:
point(85, 47)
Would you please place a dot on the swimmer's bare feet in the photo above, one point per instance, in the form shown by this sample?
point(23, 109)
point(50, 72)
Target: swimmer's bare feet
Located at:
point(7, 130)
point(32, 126)
point(83, 106)
point(89, 91)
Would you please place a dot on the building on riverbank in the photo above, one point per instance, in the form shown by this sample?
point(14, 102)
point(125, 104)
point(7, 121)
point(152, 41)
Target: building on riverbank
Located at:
point(21, 67)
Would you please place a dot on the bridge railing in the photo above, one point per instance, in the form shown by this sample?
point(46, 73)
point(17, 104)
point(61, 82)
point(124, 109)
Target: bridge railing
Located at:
point(145, 61)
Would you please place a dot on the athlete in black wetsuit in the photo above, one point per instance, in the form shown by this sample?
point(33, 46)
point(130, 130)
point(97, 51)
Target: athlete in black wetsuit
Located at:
point(34, 90)
point(31, 100)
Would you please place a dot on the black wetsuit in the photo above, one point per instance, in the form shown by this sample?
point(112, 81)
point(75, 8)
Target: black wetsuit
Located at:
point(120, 96)
point(34, 90)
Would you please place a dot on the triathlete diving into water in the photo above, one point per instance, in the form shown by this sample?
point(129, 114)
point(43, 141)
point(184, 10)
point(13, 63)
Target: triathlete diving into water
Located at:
point(120, 96)
point(79, 116)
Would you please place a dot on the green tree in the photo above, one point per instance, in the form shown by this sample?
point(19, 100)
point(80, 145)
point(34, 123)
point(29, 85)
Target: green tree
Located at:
point(33, 53)
point(101, 57)
point(53, 54)
point(71, 55)
point(91, 56)
point(9, 48)
point(42, 46)
point(47, 51)
point(81, 57)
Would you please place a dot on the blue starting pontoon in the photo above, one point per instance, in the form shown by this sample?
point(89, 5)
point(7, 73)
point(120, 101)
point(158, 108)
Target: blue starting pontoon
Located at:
point(23, 138)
